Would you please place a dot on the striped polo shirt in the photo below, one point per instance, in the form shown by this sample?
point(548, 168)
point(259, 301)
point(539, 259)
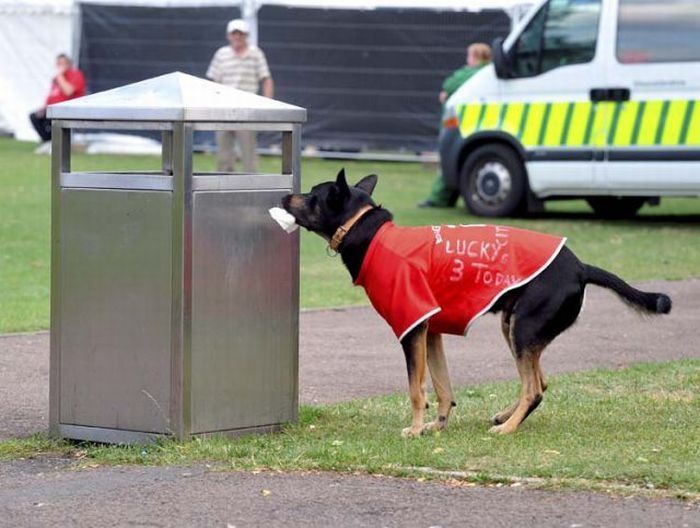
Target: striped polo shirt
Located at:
point(242, 72)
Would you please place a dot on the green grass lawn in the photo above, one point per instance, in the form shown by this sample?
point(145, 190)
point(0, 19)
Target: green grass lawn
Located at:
point(635, 428)
point(661, 243)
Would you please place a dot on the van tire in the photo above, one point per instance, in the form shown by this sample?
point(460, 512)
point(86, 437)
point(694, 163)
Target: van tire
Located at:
point(613, 207)
point(493, 181)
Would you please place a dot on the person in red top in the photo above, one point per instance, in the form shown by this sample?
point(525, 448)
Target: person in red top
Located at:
point(68, 83)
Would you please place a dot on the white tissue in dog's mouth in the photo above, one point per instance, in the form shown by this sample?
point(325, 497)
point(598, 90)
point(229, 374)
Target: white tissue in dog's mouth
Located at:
point(284, 219)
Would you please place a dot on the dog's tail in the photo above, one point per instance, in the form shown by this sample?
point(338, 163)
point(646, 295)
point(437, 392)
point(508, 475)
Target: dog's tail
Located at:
point(652, 303)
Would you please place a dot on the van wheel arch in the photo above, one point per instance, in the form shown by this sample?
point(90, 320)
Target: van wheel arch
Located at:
point(506, 157)
point(479, 139)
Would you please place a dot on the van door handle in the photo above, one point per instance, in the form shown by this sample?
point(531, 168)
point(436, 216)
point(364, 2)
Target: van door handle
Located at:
point(619, 94)
point(610, 94)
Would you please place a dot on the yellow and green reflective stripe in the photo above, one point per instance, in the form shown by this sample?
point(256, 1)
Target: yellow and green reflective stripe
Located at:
point(567, 124)
point(686, 122)
point(662, 122)
point(480, 117)
point(673, 123)
point(582, 123)
point(641, 110)
point(601, 122)
point(461, 110)
point(545, 121)
point(613, 123)
point(490, 118)
point(693, 134)
point(622, 134)
point(502, 115)
point(589, 126)
point(531, 133)
point(650, 123)
point(512, 118)
point(580, 118)
point(554, 125)
point(470, 118)
point(523, 122)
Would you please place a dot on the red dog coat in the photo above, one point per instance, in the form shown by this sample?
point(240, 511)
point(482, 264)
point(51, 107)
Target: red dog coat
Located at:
point(449, 274)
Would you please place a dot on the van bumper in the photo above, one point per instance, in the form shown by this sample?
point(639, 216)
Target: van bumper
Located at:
point(449, 144)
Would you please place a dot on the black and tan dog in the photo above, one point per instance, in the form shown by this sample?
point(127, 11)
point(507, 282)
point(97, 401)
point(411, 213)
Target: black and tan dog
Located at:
point(532, 314)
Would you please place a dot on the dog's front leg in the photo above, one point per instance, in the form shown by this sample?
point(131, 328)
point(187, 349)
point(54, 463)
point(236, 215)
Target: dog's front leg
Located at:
point(437, 364)
point(415, 349)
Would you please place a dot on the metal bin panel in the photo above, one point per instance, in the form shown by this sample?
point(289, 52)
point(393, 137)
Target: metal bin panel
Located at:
point(244, 313)
point(115, 309)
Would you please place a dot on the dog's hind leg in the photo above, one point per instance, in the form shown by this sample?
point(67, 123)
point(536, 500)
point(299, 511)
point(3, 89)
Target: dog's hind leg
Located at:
point(415, 349)
point(506, 325)
point(440, 375)
point(546, 307)
point(506, 319)
point(540, 374)
point(530, 392)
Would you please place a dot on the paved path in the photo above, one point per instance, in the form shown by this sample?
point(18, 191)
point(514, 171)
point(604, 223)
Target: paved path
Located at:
point(345, 354)
point(178, 497)
point(351, 353)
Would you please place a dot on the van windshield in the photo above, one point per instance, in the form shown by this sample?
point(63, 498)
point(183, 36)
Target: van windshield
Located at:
point(562, 33)
point(651, 32)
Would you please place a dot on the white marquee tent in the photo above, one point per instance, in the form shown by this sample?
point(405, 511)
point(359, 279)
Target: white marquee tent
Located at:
point(33, 32)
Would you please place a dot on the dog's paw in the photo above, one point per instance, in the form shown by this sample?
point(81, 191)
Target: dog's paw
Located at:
point(501, 429)
point(498, 419)
point(433, 426)
point(412, 432)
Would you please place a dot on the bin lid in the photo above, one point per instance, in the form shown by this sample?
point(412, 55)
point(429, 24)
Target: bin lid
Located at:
point(177, 96)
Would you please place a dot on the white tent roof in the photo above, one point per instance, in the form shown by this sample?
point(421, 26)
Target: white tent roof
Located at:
point(32, 33)
point(36, 6)
point(67, 5)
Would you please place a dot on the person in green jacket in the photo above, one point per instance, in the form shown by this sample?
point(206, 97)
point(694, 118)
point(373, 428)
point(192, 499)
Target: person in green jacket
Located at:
point(478, 55)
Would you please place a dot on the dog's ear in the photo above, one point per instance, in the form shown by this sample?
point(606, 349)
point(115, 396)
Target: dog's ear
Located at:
point(341, 182)
point(339, 192)
point(368, 183)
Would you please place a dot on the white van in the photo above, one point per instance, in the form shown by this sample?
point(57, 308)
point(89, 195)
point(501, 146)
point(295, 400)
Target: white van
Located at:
point(598, 99)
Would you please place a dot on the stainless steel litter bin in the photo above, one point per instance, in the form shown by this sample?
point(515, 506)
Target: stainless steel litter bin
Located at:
point(174, 296)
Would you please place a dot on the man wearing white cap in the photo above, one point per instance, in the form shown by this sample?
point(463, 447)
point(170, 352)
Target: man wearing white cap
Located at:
point(244, 67)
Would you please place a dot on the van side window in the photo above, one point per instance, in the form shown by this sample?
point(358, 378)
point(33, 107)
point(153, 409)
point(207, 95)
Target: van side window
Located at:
point(564, 32)
point(652, 32)
point(528, 46)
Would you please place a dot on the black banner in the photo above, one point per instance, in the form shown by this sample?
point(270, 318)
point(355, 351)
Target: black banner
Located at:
point(124, 44)
point(369, 78)
point(121, 45)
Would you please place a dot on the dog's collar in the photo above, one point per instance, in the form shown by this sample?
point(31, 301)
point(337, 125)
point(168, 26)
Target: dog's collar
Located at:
point(340, 233)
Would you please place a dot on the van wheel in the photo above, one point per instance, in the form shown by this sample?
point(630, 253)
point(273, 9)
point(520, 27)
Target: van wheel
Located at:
point(493, 182)
point(616, 206)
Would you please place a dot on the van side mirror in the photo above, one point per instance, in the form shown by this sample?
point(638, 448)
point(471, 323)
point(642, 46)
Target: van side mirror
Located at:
point(501, 60)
